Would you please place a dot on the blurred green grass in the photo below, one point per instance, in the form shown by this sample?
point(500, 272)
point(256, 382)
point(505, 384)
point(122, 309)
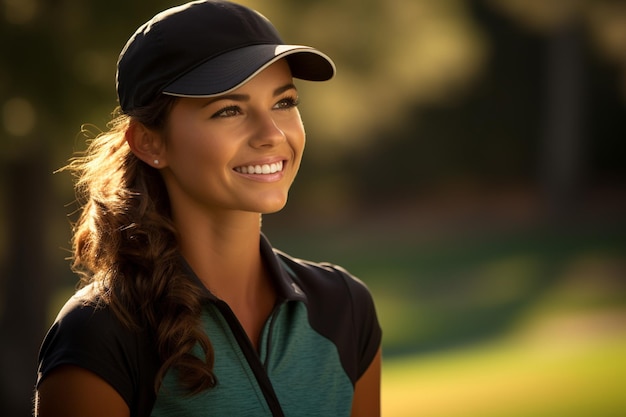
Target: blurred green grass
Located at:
point(514, 378)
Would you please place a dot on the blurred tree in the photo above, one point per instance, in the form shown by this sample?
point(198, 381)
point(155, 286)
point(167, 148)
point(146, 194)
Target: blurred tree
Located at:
point(573, 30)
point(544, 112)
point(28, 68)
point(58, 60)
point(561, 154)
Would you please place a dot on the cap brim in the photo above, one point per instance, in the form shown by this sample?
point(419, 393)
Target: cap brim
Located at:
point(231, 70)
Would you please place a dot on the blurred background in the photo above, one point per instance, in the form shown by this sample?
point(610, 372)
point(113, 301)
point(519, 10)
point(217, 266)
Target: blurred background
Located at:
point(468, 162)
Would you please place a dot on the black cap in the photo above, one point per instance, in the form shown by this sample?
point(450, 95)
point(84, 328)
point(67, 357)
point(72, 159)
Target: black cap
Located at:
point(206, 48)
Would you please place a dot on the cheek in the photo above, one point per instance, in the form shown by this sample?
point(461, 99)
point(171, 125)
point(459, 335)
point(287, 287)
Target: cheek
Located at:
point(190, 151)
point(190, 139)
point(301, 145)
point(184, 149)
point(298, 151)
point(297, 135)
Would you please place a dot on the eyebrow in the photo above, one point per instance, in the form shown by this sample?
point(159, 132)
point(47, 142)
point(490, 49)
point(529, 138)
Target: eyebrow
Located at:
point(245, 97)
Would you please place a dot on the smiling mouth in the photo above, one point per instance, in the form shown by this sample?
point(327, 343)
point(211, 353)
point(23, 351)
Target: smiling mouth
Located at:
point(261, 169)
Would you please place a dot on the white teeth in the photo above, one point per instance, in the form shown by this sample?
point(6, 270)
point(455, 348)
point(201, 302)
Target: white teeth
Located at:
point(261, 169)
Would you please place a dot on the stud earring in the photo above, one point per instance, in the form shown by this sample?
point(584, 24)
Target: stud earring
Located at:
point(156, 162)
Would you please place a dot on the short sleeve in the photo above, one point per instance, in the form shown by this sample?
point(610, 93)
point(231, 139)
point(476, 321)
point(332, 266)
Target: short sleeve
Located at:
point(364, 319)
point(93, 339)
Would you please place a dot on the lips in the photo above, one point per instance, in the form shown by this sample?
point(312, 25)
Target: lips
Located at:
point(263, 169)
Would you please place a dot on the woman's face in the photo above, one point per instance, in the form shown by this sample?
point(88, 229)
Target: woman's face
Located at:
point(239, 151)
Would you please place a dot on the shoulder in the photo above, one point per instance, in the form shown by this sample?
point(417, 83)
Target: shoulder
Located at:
point(85, 321)
point(325, 279)
point(82, 319)
point(81, 334)
point(87, 334)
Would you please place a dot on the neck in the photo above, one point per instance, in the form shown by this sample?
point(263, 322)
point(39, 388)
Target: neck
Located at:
point(224, 252)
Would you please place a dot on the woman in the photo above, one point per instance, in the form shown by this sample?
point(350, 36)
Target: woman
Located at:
point(185, 308)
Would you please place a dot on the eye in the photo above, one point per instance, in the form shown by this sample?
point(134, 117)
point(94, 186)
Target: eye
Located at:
point(229, 111)
point(287, 103)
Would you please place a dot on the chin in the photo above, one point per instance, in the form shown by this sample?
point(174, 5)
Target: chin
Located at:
point(273, 206)
point(265, 202)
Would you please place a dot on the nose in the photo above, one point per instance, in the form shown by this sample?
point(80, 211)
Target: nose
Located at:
point(266, 131)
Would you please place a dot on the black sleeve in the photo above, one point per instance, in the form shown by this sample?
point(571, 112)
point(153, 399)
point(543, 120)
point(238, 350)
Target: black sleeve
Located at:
point(368, 333)
point(93, 339)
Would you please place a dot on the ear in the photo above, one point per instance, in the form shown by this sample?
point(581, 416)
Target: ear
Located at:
point(146, 144)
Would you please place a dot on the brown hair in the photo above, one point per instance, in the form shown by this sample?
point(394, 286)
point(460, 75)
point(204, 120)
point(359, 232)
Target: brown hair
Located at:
point(125, 243)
